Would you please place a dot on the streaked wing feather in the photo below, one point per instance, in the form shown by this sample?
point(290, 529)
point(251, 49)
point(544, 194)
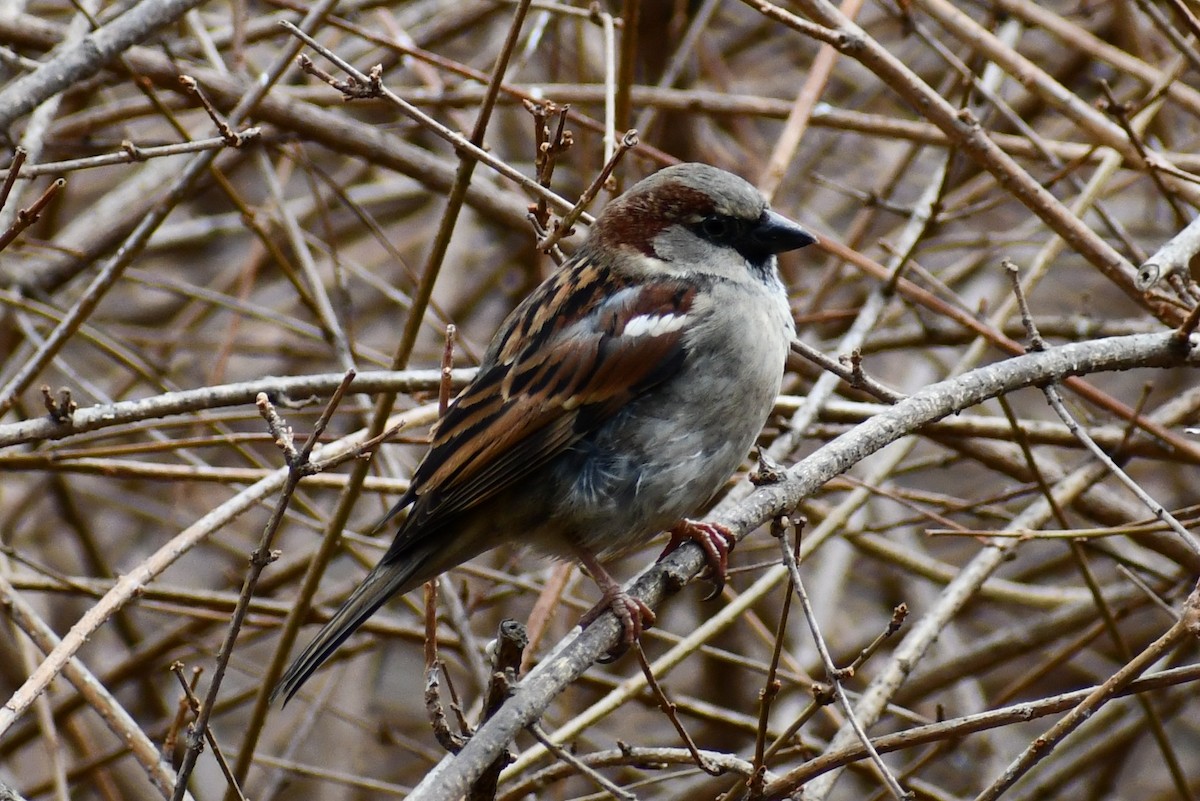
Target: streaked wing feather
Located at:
point(535, 401)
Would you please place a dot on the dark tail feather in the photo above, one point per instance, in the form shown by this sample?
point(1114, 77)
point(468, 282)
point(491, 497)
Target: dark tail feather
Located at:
point(382, 583)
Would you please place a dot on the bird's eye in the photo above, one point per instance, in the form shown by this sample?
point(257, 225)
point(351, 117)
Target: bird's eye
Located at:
point(719, 229)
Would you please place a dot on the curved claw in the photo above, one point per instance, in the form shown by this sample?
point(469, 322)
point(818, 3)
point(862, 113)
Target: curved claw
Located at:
point(634, 615)
point(716, 541)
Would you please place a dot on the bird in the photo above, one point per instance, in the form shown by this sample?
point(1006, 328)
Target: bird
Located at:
point(614, 401)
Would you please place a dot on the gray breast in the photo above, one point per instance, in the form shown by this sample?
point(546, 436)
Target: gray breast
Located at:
point(668, 452)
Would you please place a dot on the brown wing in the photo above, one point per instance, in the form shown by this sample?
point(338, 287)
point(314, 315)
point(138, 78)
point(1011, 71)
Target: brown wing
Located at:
point(568, 359)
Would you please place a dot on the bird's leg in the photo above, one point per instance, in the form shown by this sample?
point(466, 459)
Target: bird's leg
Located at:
point(633, 613)
point(714, 539)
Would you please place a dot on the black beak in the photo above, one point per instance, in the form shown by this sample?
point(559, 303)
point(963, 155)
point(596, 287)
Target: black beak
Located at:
point(777, 234)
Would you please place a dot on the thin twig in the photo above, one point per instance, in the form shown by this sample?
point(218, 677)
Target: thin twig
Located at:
point(298, 467)
point(131, 153)
point(579, 765)
point(832, 672)
point(460, 143)
point(1054, 398)
point(29, 215)
point(671, 711)
point(10, 175)
point(193, 704)
point(564, 226)
point(1043, 745)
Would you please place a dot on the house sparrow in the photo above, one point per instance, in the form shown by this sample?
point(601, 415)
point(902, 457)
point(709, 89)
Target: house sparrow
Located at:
point(617, 398)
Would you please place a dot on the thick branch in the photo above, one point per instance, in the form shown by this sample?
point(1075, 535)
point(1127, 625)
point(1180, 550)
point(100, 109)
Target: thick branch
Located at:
point(576, 654)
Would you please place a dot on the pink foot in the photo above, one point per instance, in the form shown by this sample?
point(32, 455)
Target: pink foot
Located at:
point(716, 541)
point(634, 615)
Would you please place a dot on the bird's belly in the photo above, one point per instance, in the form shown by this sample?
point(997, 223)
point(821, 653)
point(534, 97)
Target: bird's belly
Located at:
point(614, 495)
